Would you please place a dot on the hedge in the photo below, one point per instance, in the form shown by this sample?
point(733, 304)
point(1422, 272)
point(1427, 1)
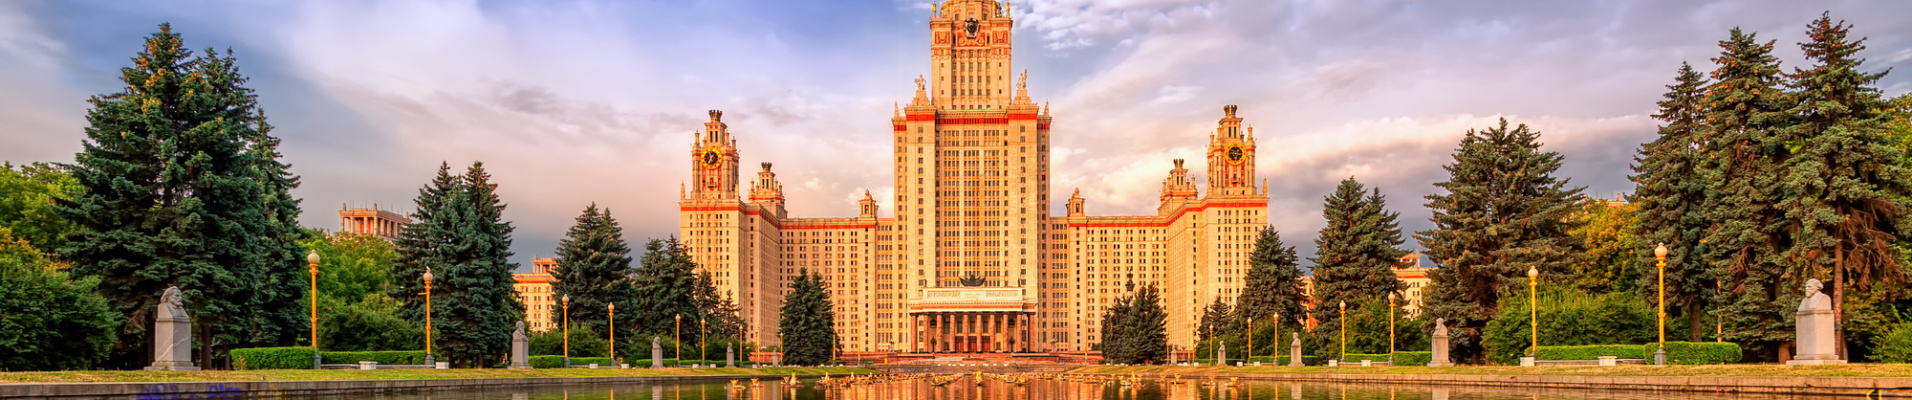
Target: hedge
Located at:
point(1357, 357)
point(1590, 352)
point(272, 358)
point(1413, 358)
point(1305, 360)
point(547, 362)
point(1696, 353)
point(401, 357)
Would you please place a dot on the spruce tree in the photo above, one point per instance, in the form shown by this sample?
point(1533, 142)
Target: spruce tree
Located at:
point(1135, 329)
point(1503, 212)
point(665, 285)
point(724, 317)
point(1746, 154)
point(1273, 284)
point(594, 269)
point(1846, 187)
point(173, 194)
point(1218, 319)
point(1356, 253)
point(808, 321)
point(482, 305)
point(1668, 193)
point(418, 244)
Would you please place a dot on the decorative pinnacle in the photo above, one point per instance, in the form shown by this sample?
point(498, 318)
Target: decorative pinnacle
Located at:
point(1230, 109)
point(716, 115)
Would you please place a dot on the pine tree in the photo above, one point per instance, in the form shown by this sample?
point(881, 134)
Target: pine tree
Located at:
point(1668, 193)
point(716, 308)
point(481, 305)
point(665, 289)
point(1847, 189)
point(1746, 154)
point(808, 321)
point(1135, 329)
point(1504, 212)
point(1273, 284)
point(1356, 253)
point(594, 269)
point(1218, 319)
point(181, 187)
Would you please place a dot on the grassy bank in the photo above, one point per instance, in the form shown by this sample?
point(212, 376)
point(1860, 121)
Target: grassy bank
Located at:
point(339, 375)
point(1737, 370)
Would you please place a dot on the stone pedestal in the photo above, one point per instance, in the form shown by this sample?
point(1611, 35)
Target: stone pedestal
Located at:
point(1294, 351)
point(1609, 361)
point(520, 349)
point(1527, 361)
point(1440, 358)
point(1221, 352)
point(172, 335)
point(657, 354)
point(1815, 342)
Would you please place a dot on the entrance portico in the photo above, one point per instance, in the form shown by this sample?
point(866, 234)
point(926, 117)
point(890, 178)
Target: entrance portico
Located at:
point(971, 320)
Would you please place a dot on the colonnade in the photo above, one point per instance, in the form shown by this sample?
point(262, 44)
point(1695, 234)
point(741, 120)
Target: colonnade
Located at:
point(971, 332)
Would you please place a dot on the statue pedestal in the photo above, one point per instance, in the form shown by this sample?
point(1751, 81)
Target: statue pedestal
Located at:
point(1816, 338)
point(172, 335)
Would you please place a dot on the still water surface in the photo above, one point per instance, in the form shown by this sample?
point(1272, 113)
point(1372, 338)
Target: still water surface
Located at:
point(991, 389)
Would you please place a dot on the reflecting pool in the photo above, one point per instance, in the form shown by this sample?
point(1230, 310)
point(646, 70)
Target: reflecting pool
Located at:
point(973, 387)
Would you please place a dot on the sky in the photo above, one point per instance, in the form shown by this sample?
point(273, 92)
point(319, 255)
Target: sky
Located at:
point(575, 102)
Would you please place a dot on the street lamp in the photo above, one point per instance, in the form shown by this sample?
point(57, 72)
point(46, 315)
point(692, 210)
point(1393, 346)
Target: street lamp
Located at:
point(566, 301)
point(1533, 310)
point(1344, 331)
point(1251, 340)
point(611, 312)
point(679, 338)
point(312, 265)
point(428, 314)
point(1391, 296)
point(703, 340)
point(1659, 254)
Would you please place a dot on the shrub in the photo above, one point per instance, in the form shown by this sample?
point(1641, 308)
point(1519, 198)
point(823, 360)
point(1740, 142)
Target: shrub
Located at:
point(371, 324)
point(1413, 358)
point(1357, 357)
point(1591, 352)
point(547, 362)
point(1895, 346)
point(1692, 353)
point(49, 321)
point(272, 358)
point(1567, 318)
point(400, 357)
point(1305, 360)
point(585, 342)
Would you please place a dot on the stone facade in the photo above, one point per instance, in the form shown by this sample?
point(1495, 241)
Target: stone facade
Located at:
point(534, 290)
point(372, 221)
point(972, 186)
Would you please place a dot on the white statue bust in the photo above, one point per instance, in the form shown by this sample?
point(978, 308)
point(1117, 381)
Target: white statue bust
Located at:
point(1815, 299)
point(1440, 327)
point(170, 305)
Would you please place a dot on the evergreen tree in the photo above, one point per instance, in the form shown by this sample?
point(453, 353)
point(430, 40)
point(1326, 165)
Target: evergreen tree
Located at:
point(1135, 329)
point(1846, 187)
point(594, 269)
point(1273, 284)
point(418, 244)
point(808, 321)
point(724, 317)
point(665, 287)
point(1357, 252)
point(1668, 195)
point(1218, 319)
point(180, 186)
point(1746, 154)
point(1503, 213)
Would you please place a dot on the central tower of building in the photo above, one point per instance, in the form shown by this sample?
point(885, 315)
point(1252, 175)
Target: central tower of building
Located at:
point(973, 261)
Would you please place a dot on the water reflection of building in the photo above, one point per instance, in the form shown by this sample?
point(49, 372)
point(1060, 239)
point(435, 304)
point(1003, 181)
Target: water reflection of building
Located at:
point(972, 259)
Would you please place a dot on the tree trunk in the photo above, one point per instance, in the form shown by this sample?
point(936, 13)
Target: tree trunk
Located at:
point(1839, 299)
point(1694, 323)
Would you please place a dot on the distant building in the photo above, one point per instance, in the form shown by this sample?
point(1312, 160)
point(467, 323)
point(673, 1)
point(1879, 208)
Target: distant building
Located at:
point(534, 290)
point(381, 223)
point(1413, 274)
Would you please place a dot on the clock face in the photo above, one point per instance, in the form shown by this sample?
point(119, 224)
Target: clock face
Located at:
point(1236, 154)
point(710, 159)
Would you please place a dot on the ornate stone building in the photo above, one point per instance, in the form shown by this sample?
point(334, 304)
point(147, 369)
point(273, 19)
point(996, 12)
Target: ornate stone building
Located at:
point(373, 221)
point(972, 259)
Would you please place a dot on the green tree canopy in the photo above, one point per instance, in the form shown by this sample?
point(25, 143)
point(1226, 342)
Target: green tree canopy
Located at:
point(459, 231)
point(594, 269)
point(28, 195)
point(1668, 195)
point(1745, 153)
point(1273, 284)
point(47, 321)
point(808, 321)
point(1357, 252)
point(1503, 213)
point(1135, 329)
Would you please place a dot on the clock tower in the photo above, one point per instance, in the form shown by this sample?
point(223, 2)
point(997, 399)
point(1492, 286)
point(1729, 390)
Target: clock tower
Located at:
point(1231, 157)
point(714, 161)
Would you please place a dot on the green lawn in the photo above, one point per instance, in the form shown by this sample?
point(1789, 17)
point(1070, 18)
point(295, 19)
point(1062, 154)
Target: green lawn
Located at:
point(1755, 370)
point(339, 375)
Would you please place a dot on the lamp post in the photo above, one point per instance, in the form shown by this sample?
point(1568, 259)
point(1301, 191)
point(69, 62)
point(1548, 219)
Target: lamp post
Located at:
point(312, 265)
point(679, 338)
point(566, 301)
point(1533, 310)
point(1391, 296)
point(428, 315)
point(703, 340)
point(611, 312)
point(1344, 332)
point(1659, 254)
point(1251, 340)
point(1277, 352)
